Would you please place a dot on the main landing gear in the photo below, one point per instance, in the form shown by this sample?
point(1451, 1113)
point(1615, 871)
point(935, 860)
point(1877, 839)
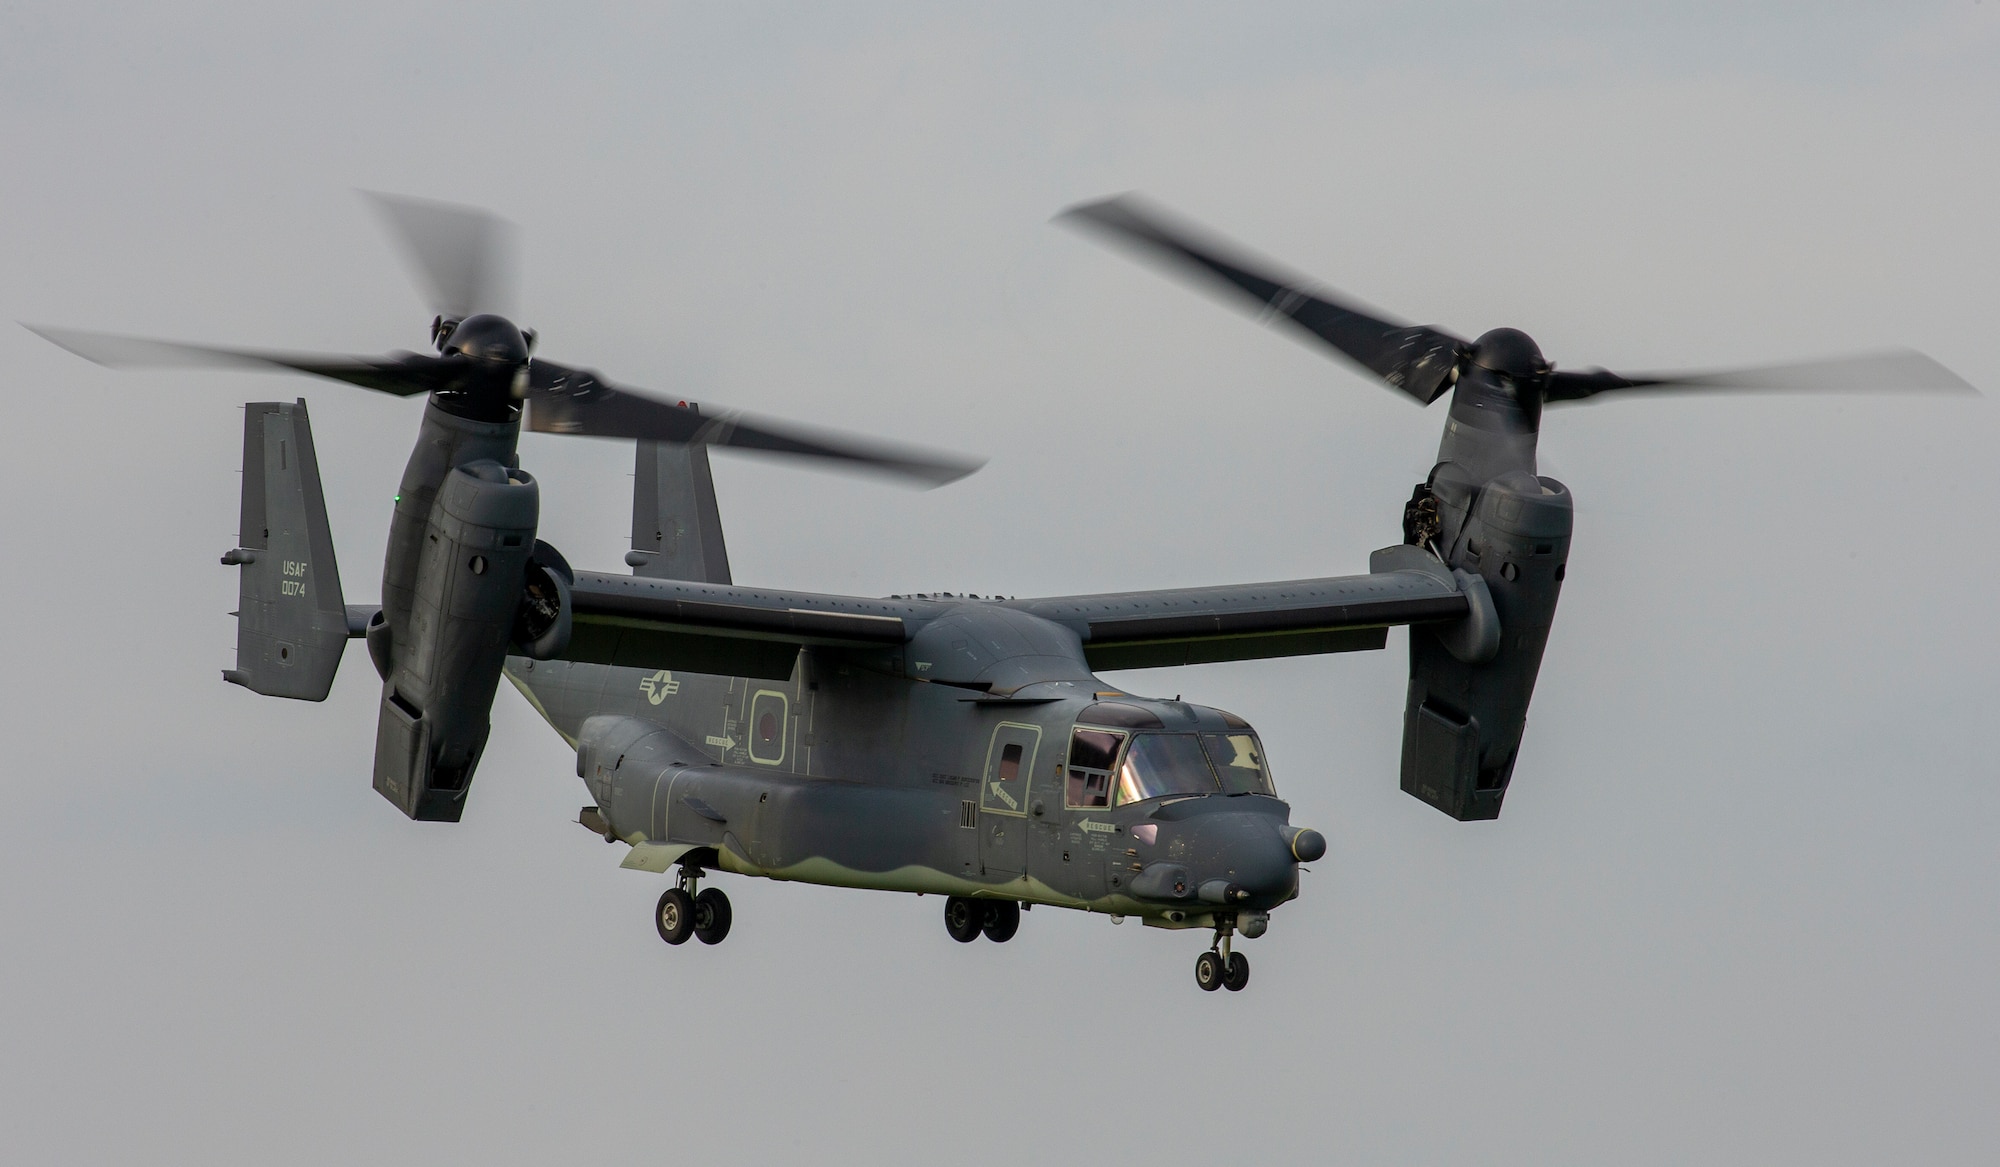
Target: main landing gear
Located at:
point(966, 919)
point(1220, 968)
point(683, 912)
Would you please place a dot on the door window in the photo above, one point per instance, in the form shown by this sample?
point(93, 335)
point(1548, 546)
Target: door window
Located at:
point(770, 717)
point(1009, 762)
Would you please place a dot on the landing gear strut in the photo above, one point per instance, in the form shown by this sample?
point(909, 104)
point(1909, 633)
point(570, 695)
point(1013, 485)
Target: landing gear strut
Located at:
point(966, 918)
point(684, 912)
point(1220, 968)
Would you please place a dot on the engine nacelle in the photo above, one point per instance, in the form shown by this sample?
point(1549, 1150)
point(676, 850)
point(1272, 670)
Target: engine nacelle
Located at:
point(447, 656)
point(1468, 697)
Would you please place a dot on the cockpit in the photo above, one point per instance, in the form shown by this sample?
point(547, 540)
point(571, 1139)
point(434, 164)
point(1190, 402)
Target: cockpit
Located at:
point(1122, 753)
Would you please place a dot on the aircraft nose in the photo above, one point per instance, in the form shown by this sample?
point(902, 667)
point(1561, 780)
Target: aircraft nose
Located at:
point(1230, 858)
point(1260, 859)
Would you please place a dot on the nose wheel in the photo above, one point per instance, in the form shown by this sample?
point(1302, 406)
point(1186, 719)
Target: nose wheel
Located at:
point(1208, 971)
point(1219, 967)
point(683, 912)
point(1237, 974)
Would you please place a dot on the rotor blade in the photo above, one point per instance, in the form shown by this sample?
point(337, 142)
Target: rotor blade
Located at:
point(403, 374)
point(463, 255)
point(562, 400)
point(1891, 371)
point(1417, 360)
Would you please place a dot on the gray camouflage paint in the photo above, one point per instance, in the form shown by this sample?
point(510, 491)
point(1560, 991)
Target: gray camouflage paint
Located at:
point(855, 741)
point(844, 776)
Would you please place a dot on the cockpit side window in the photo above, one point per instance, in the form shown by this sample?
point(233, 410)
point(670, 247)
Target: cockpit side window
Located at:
point(1239, 760)
point(1092, 754)
point(1159, 764)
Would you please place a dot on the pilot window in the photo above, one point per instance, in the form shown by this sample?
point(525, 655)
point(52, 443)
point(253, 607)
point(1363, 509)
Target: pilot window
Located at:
point(1092, 754)
point(1239, 760)
point(1010, 762)
point(1159, 764)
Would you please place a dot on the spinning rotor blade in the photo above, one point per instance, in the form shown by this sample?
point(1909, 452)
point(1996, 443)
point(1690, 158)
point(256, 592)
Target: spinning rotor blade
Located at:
point(562, 400)
point(403, 374)
point(1417, 360)
point(463, 255)
point(1895, 370)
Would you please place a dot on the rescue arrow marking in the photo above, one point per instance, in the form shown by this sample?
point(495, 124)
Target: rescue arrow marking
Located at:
point(727, 743)
point(1100, 828)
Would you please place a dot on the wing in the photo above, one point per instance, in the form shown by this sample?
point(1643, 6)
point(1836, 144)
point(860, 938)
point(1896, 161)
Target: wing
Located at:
point(1350, 613)
point(709, 628)
point(640, 622)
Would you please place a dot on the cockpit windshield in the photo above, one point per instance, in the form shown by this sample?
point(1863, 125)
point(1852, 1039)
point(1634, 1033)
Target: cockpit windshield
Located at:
point(1159, 764)
point(1239, 759)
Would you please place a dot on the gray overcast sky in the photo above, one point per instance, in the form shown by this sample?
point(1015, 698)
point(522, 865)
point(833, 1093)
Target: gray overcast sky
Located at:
point(1742, 906)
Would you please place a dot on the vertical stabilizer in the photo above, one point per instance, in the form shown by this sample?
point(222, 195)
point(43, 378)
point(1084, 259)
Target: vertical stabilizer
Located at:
point(291, 625)
point(676, 529)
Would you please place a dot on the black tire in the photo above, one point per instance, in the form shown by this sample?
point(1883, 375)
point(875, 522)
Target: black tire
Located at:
point(1208, 971)
point(1237, 974)
point(674, 916)
point(711, 916)
point(1000, 920)
point(962, 919)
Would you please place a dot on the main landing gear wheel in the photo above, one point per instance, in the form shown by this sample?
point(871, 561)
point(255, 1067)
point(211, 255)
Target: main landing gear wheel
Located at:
point(1208, 971)
point(675, 916)
point(711, 916)
point(1000, 920)
point(963, 919)
point(1236, 972)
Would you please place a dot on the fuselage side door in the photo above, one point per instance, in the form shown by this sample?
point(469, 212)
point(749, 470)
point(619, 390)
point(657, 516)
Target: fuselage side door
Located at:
point(1004, 798)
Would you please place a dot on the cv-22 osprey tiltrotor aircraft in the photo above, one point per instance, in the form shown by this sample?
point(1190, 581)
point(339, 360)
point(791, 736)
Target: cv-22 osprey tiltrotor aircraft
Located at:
point(955, 745)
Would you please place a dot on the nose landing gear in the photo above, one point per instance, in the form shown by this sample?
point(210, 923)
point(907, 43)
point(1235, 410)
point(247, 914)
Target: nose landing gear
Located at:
point(1220, 968)
point(682, 912)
